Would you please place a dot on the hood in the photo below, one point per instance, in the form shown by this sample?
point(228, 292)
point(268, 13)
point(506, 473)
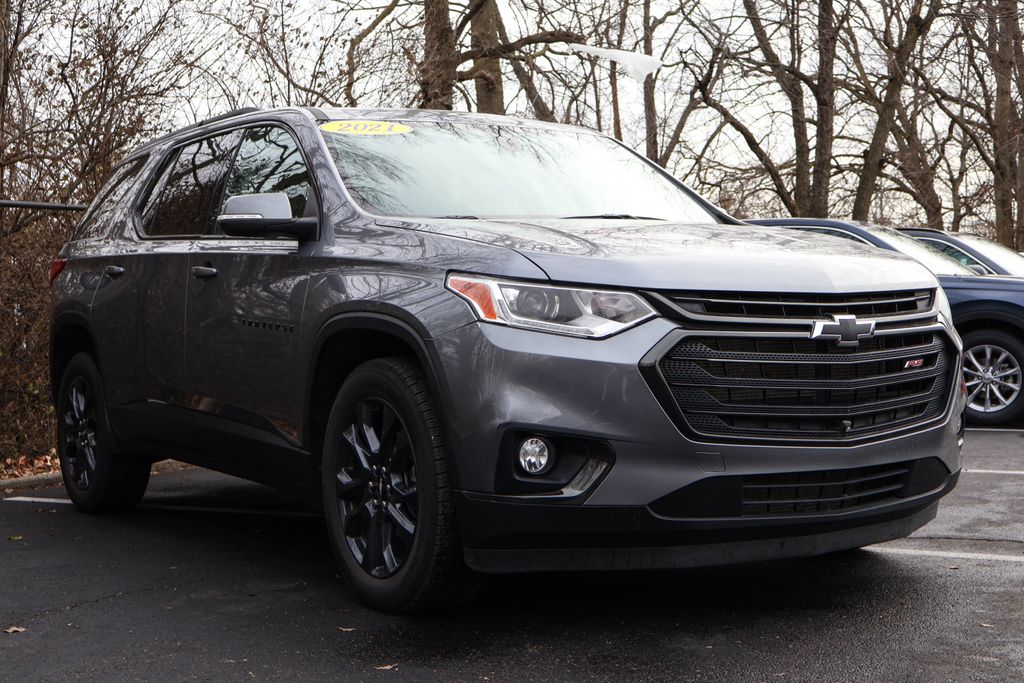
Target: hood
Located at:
point(662, 255)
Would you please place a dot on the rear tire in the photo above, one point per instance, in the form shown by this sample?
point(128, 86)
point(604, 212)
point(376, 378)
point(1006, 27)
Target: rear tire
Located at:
point(387, 493)
point(96, 477)
point(993, 364)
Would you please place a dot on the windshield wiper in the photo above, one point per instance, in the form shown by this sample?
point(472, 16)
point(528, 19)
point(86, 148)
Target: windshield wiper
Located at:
point(618, 216)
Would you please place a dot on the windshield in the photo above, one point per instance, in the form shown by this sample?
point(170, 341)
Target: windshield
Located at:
point(444, 169)
point(1006, 258)
point(935, 261)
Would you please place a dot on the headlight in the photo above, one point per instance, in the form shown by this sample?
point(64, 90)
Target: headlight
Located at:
point(561, 310)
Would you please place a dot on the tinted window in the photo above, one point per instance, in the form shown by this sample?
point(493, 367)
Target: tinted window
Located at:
point(268, 160)
point(182, 201)
point(951, 251)
point(110, 200)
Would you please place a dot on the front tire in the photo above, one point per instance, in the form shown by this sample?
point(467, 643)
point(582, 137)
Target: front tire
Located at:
point(993, 362)
point(387, 492)
point(96, 477)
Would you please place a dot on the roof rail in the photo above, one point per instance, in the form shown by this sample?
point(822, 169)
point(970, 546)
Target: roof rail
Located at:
point(47, 206)
point(923, 228)
point(228, 115)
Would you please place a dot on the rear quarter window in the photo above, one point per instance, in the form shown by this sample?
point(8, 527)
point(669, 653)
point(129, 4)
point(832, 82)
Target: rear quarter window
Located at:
point(110, 204)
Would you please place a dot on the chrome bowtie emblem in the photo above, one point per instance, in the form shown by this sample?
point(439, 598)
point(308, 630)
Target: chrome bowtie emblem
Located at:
point(846, 330)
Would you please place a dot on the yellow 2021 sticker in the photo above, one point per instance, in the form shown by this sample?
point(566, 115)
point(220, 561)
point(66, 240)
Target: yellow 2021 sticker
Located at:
point(366, 127)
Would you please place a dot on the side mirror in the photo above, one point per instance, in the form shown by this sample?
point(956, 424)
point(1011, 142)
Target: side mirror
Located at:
point(979, 269)
point(264, 215)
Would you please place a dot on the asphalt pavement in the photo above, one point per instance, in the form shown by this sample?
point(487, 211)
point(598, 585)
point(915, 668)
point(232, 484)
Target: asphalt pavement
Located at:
point(214, 578)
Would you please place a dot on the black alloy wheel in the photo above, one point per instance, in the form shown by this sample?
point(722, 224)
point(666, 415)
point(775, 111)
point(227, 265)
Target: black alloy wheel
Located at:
point(78, 432)
point(97, 477)
point(376, 488)
point(387, 491)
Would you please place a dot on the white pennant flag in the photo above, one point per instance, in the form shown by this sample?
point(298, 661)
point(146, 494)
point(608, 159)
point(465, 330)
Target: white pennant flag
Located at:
point(638, 65)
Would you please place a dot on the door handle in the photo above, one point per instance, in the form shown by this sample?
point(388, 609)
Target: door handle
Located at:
point(113, 272)
point(204, 272)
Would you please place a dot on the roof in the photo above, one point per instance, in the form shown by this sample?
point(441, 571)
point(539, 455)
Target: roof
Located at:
point(441, 115)
point(338, 113)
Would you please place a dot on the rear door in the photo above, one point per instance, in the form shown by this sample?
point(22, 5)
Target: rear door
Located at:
point(142, 314)
point(245, 302)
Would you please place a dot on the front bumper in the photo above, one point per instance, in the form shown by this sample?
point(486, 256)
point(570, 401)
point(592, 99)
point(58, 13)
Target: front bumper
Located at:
point(500, 379)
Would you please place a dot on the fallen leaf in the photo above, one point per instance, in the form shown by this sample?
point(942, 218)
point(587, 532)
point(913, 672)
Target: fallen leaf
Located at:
point(955, 567)
point(14, 538)
point(14, 629)
point(346, 630)
point(988, 625)
point(386, 667)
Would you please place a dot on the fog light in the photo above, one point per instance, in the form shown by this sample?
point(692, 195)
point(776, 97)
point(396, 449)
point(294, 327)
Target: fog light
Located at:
point(536, 455)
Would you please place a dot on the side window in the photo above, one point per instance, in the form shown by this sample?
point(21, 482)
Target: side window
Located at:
point(269, 160)
point(191, 185)
point(954, 252)
point(110, 200)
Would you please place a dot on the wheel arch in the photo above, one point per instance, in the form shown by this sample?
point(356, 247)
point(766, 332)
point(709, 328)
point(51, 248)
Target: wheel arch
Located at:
point(71, 333)
point(345, 341)
point(1007, 319)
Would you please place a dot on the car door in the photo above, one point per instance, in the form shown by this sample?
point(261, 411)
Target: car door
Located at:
point(244, 313)
point(113, 275)
point(141, 316)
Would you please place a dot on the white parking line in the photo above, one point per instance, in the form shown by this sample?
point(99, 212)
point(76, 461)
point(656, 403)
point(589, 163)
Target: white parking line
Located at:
point(993, 429)
point(974, 471)
point(177, 508)
point(947, 554)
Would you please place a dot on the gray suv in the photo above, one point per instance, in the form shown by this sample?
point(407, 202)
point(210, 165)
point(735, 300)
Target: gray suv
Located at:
point(489, 345)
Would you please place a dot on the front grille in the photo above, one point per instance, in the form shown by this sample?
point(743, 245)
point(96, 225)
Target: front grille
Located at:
point(826, 492)
point(802, 306)
point(783, 385)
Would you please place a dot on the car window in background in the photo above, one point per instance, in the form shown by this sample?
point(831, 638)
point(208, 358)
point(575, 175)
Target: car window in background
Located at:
point(268, 160)
point(933, 260)
point(97, 221)
point(954, 252)
point(445, 169)
point(1011, 261)
point(182, 201)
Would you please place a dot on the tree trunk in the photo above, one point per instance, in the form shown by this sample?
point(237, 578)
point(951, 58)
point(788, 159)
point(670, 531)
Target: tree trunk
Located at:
point(490, 96)
point(540, 108)
point(650, 105)
point(793, 89)
point(440, 58)
point(5, 79)
point(824, 95)
point(613, 71)
point(899, 61)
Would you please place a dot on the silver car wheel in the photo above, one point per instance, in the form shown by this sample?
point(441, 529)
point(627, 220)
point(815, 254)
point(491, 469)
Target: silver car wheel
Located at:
point(993, 378)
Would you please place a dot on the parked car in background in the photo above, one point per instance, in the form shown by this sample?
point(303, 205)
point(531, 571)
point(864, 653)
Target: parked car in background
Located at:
point(981, 255)
point(988, 312)
point(494, 345)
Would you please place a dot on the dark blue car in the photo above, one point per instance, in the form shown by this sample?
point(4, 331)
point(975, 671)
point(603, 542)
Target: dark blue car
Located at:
point(988, 312)
point(977, 253)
